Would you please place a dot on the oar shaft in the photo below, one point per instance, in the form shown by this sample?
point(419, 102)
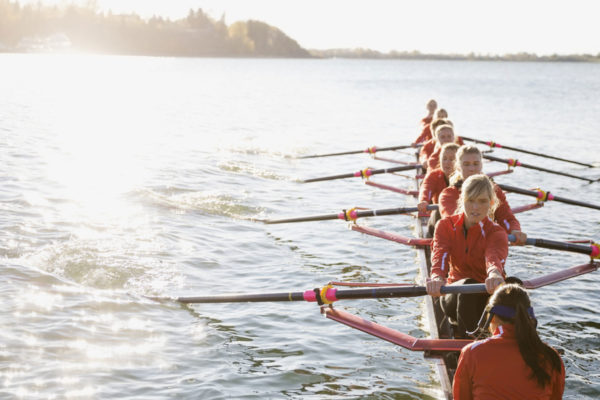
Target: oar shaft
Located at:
point(513, 163)
point(364, 173)
point(540, 194)
point(370, 150)
point(332, 294)
point(350, 215)
point(493, 144)
point(592, 251)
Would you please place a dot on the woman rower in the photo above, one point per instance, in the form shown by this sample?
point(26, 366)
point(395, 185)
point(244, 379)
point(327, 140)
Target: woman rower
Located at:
point(443, 134)
point(427, 129)
point(429, 147)
point(469, 162)
point(468, 247)
point(514, 363)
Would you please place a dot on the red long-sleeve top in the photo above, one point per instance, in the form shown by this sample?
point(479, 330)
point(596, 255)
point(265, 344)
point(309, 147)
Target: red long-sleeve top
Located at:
point(426, 120)
point(457, 255)
point(434, 182)
point(425, 134)
point(448, 201)
point(494, 369)
point(426, 151)
point(433, 161)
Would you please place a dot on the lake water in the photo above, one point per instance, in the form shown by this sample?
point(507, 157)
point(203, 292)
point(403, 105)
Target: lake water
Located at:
point(126, 177)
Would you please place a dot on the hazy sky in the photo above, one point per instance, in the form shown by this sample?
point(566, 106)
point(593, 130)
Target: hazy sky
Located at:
point(440, 26)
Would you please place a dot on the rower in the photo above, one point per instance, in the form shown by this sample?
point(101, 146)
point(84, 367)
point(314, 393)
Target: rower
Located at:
point(469, 162)
point(429, 146)
point(443, 134)
point(468, 247)
point(435, 181)
point(514, 363)
point(426, 132)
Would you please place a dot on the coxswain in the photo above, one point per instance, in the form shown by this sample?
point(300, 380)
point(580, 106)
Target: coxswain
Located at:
point(514, 363)
point(469, 162)
point(468, 247)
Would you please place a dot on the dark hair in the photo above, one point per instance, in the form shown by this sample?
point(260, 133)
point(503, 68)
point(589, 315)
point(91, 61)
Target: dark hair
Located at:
point(537, 355)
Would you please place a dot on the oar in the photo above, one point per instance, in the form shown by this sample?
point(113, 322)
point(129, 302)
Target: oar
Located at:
point(370, 150)
point(593, 250)
point(329, 294)
point(543, 196)
point(516, 163)
point(349, 215)
point(494, 144)
point(365, 173)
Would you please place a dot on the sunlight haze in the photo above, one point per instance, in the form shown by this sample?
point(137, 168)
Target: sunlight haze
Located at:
point(437, 26)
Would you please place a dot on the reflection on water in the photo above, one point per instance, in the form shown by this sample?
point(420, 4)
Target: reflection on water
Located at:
point(129, 176)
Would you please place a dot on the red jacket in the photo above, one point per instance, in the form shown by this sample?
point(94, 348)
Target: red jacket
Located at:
point(433, 184)
point(494, 369)
point(457, 256)
point(426, 151)
point(448, 201)
point(426, 120)
point(433, 161)
point(425, 134)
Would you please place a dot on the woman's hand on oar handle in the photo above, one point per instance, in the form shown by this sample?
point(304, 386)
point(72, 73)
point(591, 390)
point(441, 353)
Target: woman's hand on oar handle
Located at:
point(493, 280)
point(520, 236)
point(434, 286)
point(422, 206)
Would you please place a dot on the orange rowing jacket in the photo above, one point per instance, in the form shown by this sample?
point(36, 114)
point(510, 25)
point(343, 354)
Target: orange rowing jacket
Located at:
point(426, 120)
point(448, 201)
point(426, 151)
point(457, 255)
point(433, 161)
point(425, 134)
point(434, 182)
point(494, 369)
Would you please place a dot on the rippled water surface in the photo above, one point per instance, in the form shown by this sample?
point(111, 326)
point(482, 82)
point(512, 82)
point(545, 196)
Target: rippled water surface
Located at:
point(125, 177)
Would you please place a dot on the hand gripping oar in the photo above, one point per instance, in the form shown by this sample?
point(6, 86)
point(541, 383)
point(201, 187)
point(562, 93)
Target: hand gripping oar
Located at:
point(544, 196)
point(370, 150)
point(349, 215)
point(593, 250)
point(494, 144)
point(516, 163)
point(365, 173)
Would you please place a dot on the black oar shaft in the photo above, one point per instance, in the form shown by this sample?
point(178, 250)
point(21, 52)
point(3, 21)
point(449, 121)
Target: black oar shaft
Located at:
point(348, 294)
point(350, 215)
point(592, 251)
point(370, 150)
point(364, 173)
point(536, 194)
point(520, 164)
point(493, 144)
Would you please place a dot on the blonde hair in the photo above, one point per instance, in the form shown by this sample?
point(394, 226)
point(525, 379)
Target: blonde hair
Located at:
point(462, 151)
point(440, 113)
point(475, 186)
point(437, 122)
point(448, 147)
point(442, 126)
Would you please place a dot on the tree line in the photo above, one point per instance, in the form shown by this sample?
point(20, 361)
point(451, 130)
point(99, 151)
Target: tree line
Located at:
point(89, 30)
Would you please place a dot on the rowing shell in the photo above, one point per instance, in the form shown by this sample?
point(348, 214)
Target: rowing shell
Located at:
point(445, 362)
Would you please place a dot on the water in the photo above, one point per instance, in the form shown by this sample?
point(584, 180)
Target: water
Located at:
point(129, 177)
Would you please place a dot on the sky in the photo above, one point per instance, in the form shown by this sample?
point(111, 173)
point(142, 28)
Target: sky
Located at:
point(432, 26)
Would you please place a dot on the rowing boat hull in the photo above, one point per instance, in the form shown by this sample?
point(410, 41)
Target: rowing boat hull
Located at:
point(445, 362)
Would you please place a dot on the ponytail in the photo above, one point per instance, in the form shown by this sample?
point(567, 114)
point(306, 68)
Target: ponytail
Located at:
point(540, 357)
